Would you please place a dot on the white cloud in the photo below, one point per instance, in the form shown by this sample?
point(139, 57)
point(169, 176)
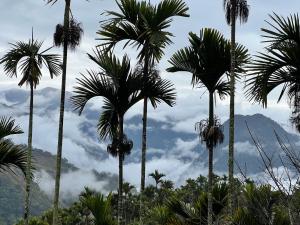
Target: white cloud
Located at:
point(72, 183)
point(243, 148)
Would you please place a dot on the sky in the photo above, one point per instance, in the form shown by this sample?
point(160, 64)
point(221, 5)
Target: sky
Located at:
point(18, 17)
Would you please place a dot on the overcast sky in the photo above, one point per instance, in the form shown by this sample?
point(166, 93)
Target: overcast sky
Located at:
point(19, 16)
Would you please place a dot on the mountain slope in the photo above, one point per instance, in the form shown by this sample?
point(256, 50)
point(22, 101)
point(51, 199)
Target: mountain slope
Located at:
point(168, 146)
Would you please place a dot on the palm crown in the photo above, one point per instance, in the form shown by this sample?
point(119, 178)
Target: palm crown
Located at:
point(28, 57)
point(208, 59)
point(241, 10)
point(157, 176)
point(142, 25)
point(120, 87)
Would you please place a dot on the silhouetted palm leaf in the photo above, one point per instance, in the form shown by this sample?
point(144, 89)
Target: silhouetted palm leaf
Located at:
point(12, 156)
point(8, 127)
point(29, 59)
point(139, 22)
point(208, 59)
point(119, 86)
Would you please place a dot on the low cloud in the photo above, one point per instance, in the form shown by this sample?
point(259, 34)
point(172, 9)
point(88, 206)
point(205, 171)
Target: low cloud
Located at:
point(72, 183)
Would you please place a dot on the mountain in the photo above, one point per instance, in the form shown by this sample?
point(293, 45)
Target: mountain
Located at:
point(12, 188)
point(168, 146)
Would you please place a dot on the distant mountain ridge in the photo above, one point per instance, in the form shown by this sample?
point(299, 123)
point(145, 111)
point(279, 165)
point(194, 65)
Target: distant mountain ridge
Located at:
point(164, 142)
point(12, 188)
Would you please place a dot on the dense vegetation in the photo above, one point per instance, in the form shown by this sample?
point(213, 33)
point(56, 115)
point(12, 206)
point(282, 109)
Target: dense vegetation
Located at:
point(215, 63)
point(186, 205)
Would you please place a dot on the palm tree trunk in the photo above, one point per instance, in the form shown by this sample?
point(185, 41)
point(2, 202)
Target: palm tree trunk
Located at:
point(144, 134)
point(210, 163)
point(231, 113)
point(121, 159)
point(29, 155)
point(61, 115)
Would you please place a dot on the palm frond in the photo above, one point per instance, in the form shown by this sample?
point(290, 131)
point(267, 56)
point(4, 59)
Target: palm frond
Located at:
point(282, 30)
point(141, 25)
point(159, 90)
point(208, 59)
point(108, 121)
point(8, 127)
point(90, 86)
point(12, 156)
point(100, 207)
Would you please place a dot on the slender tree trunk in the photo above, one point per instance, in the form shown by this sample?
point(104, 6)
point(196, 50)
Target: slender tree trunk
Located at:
point(29, 155)
point(231, 113)
point(144, 134)
point(61, 115)
point(121, 159)
point(210, 163)
point(144, 144)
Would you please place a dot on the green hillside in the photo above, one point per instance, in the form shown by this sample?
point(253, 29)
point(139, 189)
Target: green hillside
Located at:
point(12, 188)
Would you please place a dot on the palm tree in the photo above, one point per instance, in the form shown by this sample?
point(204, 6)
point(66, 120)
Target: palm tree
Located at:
point(208, 59)
point(11, 155)
point(67, 35)
point(143, 26)
point(196, 211)
point(279, 65)
point(100, 208)
point(157, 177)
point(167, 184)
point(121, 89)
point(234, 9)
point(29, 58)
point(128, 188)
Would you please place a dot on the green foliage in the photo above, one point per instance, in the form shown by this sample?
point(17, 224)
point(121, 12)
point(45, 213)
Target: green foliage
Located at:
point(208, 59)
point(100, 208)
point(186, 205)
point(11, 155)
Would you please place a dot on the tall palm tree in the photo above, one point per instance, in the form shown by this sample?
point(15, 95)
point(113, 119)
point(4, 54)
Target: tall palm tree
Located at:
point(143, 26)
point(278, 65)
point(29, 58)
point(121, 89)
point(11, 155)
point(234, 9)
point(157, 177)
point(208, 59)
point(67, 35)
